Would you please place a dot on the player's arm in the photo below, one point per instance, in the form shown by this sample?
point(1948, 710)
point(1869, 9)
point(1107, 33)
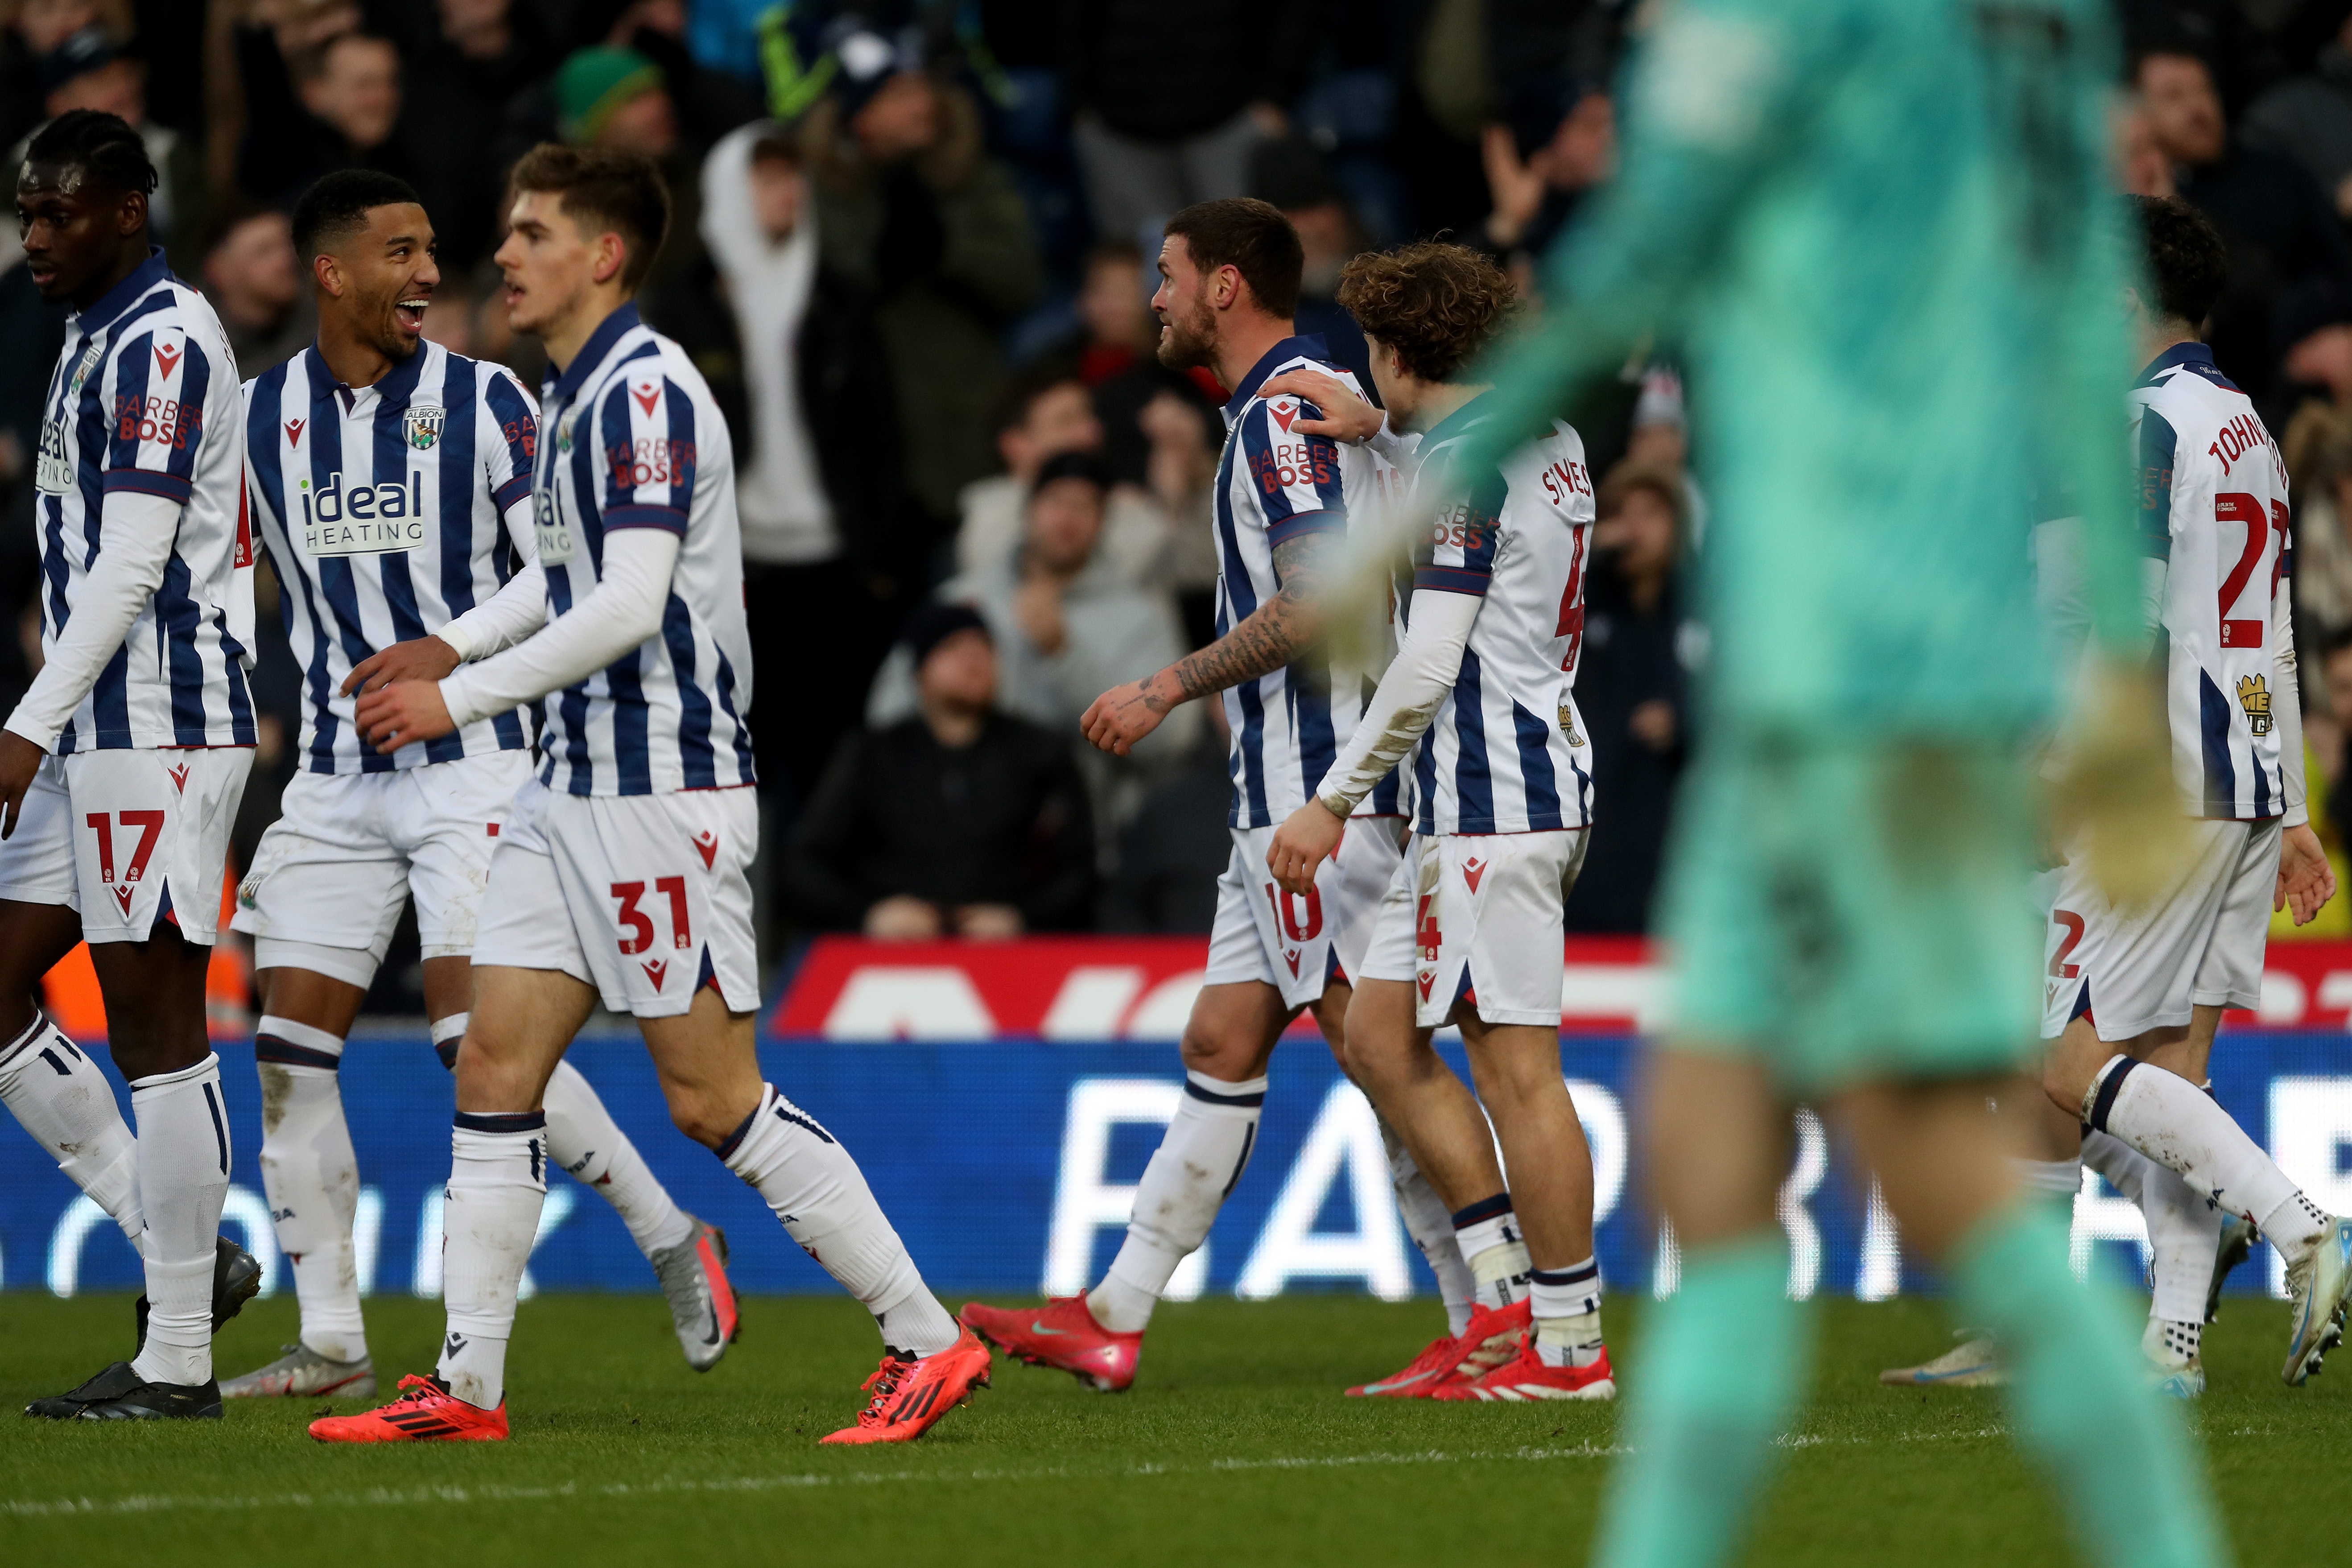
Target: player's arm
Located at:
point(510, 434)
point(1340, 414)
point(149, 476)
point(1305, 521)
point(2305, 881)
point(644, 508)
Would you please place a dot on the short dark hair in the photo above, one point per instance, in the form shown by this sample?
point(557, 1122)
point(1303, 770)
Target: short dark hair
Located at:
point(1087, 467)
point(335, 207)
point(103, 145)
point(1252, 237)
point(1438, 305)
point(1010, 409)
point(2186, 258)
point(605, 189)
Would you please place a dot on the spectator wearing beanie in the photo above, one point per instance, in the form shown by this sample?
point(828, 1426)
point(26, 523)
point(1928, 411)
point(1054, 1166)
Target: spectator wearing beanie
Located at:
point(958, 820)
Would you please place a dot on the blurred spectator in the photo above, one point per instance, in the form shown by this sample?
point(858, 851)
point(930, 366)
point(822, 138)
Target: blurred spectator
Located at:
point(960, 820)
point(32, 30)
point(706, 103)
point(1068, 627)
point(1170, 104)
point(1291, 174)
point(2141, 167)
point(87, 70)
point(1178, 844)
point(1046, 413)
point(329, 107)
point(1661, 439)
point(2290, 273)
point(2309, 119)
point(1632, 689)
point(254, 281)
point(471, 64)
point(816, 459)
point(1116, 327)
point(608, 97)
point(1561, 144)
point(913, 212)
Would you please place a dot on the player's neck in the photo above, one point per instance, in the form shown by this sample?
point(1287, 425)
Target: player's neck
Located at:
point(1243, 340)
point(565, 338)
point(2158, 337)
point(1434, 402)
point(133, 256)
point(353, 361)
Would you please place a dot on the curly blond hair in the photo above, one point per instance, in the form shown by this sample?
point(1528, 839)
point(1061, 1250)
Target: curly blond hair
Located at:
point(1435, 303)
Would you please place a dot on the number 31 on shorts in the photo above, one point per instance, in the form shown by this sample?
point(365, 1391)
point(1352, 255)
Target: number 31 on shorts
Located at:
point(637, 926)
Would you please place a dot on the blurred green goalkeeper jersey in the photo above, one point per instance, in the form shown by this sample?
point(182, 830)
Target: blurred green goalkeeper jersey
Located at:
point(1882, 232)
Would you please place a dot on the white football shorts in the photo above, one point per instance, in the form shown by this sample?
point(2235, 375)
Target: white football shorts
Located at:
point(2201, 945)
point(331, 873)
point(1301, 946)
point(646, 897)
point(126, 837)
point(1476, 918)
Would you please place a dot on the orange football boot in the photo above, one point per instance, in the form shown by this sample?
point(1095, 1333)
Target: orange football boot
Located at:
point(1490, 1340)
point(909, 1396)
point(424, 1412)
point(1064, 1335)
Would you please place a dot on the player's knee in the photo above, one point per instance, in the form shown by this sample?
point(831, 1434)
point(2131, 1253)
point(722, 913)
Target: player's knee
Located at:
point(701, 1116)
point(1221, 1054)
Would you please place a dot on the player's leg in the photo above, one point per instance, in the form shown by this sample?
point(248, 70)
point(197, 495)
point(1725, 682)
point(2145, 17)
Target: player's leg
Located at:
point(2079, 1399)
point(57, 1093)
point(1724, 1359)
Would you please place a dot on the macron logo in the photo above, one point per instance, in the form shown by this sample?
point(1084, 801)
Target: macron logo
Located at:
point(655, 970)
point(1471, 871)
point(294, 431)
point(1282, 413)
point(646, 395)
point(166, 356)
point(707, 842)
point(179, 778)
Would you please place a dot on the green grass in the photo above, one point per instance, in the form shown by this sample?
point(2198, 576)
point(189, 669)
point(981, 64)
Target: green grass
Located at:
point(1234, 1448)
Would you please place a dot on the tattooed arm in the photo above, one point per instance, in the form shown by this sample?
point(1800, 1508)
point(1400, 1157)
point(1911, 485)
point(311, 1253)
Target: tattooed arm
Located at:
point(1270, 637)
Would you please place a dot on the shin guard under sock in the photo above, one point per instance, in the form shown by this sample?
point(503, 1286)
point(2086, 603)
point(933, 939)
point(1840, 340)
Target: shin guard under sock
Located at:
point(498, 1185)
point(184, 1165)
point(62, 1099)
point(1199, 1162)
point(313, 1179)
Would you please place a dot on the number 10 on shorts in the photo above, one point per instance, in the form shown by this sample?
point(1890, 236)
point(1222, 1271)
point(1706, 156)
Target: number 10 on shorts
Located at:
point(637, 926)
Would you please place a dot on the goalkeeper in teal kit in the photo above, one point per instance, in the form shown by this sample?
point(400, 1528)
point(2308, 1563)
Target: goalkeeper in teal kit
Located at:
point(1881, 229)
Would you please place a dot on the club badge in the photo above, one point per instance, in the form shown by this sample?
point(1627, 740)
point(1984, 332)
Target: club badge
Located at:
point(421, 426)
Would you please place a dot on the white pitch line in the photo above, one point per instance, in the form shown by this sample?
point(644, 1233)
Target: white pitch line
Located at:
point(405, 1497)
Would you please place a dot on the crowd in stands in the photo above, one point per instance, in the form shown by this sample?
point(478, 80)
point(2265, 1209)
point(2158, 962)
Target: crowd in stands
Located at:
point(912, 251)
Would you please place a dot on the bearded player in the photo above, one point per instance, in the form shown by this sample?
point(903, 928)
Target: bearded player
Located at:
point(391, 479)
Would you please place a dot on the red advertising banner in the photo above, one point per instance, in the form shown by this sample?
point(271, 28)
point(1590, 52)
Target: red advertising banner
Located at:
point(1141, 988)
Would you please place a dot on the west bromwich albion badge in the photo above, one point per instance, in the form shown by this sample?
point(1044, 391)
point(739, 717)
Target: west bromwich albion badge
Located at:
point(422, 425)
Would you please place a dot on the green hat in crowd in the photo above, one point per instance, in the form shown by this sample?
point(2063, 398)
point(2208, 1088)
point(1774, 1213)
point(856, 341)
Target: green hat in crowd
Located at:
point(596, 84)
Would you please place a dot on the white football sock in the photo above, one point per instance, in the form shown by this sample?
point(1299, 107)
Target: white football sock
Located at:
point(183, 1163)
point(1199, 1159)
point(313, 1179)
point(2058, 1178)
point(2172, 1342)
point(1567, 1306)
point(2176, 1124)
point(588, 1144)
point(1487, 1232)
point(1431, 1225)
point(498, 1185)
point(819, 1193)
point(62, 1099)
point(2184, 1227)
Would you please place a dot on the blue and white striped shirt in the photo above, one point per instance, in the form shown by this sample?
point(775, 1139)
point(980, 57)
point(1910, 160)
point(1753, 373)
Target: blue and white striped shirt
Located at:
point(1273, 487)
point(635, 441)
point(387, 512)
point(1507, 754)
point(144, 400)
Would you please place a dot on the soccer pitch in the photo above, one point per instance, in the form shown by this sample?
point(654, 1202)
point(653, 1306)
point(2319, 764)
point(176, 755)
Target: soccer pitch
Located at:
point(1235, 1445)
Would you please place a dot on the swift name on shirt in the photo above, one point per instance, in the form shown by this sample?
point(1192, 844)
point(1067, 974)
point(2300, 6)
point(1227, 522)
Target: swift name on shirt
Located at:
point(341, 519)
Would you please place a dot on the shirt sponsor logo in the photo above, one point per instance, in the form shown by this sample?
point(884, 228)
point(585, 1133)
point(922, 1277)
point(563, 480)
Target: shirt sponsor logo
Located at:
point(421, 426)
point(341, 519)
point(167, 420)
point(2254, 697)
point(555, 544)
point(53, 469)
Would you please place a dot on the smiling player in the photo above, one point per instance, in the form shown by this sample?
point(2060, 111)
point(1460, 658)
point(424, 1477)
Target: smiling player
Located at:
point(121, 768)
point(391, 476)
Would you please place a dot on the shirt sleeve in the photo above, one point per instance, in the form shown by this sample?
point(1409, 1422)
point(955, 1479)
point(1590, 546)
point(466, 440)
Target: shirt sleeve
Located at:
point(1465, 539)
point(2152, 478)
point(512, 453)
point(647, 425)
point(1294, 476)
point(156, 418)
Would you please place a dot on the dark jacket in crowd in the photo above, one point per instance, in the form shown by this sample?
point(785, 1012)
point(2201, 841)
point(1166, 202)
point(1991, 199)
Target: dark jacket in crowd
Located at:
point(2290, 272)
point(1629, 657)
point(1003, 821)
point(1159, 75)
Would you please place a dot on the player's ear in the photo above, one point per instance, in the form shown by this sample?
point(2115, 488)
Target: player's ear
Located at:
point(611, 254)
point(130, 213)
point(328, 273)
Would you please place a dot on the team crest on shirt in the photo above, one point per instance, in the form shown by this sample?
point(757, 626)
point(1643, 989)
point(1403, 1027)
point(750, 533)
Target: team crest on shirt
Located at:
point(421, 426)
point(2254, 697)
point(563, 429)
point(90, 359)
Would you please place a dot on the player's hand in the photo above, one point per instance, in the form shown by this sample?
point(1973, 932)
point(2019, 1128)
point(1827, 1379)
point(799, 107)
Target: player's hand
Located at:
point(403, 713)
point(419, 658)
point(19, 760)
point(2116, 803)
point(2305, 881)
point(1120, 717)
point(1346, 416)
point(1304, 842)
